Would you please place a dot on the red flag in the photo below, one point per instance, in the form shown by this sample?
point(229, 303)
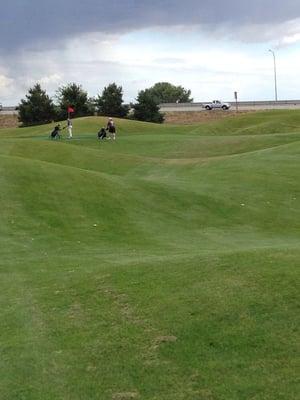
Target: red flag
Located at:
point(70, 110)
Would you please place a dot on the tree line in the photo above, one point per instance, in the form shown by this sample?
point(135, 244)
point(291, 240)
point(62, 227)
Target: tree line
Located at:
point(38, 107)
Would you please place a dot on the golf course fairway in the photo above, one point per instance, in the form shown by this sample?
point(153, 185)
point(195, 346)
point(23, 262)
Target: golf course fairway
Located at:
point(162, 266)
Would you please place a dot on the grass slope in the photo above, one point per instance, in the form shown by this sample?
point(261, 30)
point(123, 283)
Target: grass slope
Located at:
point(162, 266)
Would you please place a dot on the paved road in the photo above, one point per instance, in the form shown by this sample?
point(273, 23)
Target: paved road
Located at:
point(242, 106)
point(5, 112)
point(8, 111)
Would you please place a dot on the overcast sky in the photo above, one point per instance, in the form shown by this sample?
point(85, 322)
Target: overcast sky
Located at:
point(212, 48)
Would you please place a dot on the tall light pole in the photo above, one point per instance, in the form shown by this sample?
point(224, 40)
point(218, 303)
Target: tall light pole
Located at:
point(275, 74)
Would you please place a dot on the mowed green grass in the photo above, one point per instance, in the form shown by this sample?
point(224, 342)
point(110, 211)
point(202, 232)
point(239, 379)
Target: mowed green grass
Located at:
point(163, 266)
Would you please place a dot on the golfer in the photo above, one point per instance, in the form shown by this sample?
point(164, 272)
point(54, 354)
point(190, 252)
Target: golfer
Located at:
point(70, 127)
point(111, 128)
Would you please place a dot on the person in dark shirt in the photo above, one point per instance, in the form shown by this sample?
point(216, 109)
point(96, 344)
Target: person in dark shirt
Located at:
point(111, 128)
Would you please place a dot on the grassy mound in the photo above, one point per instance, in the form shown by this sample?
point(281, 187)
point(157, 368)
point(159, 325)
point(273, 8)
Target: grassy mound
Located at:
point(159, 266)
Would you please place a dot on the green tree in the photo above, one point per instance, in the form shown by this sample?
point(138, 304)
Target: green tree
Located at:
point(73, 95)
point(92, 105)
point(165, 92)
point(37, 108)
point(111, 102)
point(146, 108)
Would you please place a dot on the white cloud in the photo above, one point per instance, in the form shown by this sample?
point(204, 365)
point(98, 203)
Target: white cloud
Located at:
point(5, 82)
point(211, 68)
point(8, 89)
point(290, 33)
point(50, 79)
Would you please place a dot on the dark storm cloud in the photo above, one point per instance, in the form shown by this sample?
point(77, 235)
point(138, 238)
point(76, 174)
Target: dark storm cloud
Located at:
point(23, 22)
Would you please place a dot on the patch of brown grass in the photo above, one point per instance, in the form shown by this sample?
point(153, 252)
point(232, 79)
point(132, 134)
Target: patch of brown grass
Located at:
point(9, 121)
point(190, 117)
point(125, 396)
point(166, 339)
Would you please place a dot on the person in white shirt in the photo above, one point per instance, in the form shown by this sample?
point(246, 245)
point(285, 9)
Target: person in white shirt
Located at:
point(70, 127)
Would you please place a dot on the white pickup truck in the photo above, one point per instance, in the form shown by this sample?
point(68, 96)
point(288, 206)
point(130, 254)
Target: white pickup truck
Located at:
point(216, 104)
